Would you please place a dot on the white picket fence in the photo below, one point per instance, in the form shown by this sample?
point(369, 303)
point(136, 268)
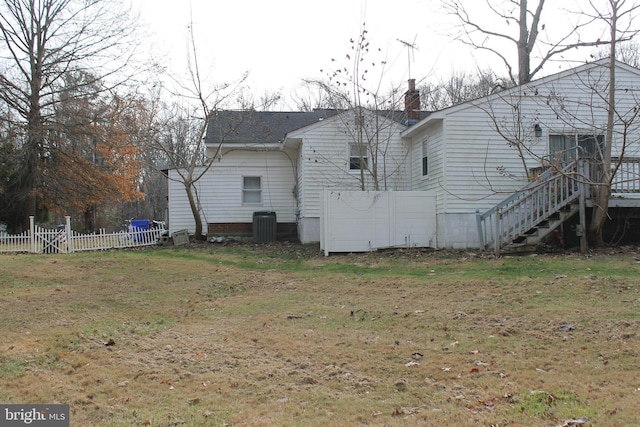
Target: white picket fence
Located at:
point(65, 240)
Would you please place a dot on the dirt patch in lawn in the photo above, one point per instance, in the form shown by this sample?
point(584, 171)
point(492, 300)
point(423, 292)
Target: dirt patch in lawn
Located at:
point(280, 335)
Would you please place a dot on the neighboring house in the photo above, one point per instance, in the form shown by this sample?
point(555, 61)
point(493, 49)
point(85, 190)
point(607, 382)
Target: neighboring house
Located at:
point(470, 157)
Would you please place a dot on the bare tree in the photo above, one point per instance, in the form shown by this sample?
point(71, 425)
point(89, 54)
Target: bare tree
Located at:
point(627, 52)
point(9, 172)
point(40, 41)
point(182, 127)
point(621, 117)
point(370, 112)
point(92, 152)
point(522, 31)
point(268, 101)
point(311, 96)
point(460, 87)
point(619, 18)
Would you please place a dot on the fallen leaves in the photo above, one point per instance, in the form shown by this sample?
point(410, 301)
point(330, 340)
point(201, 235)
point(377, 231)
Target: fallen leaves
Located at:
point(490, 331)
point(303, 315)
point(415, 356)
point(482, 405)
point(401, 384)
point(406, 411)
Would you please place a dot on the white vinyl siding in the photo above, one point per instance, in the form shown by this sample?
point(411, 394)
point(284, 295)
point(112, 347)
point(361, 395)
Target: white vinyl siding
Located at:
point(220, 190)
point(482, 168)
point(472, 167)
point(323, 162)
point(431, 139)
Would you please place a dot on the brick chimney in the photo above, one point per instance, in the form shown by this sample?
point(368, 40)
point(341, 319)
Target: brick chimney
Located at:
point(412, 104)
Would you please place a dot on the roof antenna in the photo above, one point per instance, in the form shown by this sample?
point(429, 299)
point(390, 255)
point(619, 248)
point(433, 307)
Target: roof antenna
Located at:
point(411, 47)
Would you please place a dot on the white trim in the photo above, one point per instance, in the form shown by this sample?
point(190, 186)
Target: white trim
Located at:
point(247, 191)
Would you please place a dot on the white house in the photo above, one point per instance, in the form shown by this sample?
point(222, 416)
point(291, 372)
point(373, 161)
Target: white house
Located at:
point(253, 172)
point(476, 154)
point(469, 157)
point(328, 158)
point(282, 162)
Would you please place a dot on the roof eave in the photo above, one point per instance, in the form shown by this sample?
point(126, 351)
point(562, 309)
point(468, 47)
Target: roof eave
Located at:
point(416, 128)
point(251, 146)
point(291, 143)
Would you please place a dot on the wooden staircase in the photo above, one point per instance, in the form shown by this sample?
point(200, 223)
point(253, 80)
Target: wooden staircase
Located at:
point(525, 218)
point(536, 234)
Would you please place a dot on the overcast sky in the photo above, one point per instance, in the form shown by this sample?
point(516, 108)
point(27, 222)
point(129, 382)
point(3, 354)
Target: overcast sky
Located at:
point(281, 42)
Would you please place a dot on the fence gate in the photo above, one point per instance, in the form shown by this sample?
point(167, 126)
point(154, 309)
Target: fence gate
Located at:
point(362, 221)
point(49, 241)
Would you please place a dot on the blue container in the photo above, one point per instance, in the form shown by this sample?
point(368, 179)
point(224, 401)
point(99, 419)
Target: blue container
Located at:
point(136, 226)
point(140, 224)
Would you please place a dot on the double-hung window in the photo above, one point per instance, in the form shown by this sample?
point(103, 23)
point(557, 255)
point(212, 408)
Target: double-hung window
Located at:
point(251, 190)
point(358, 158)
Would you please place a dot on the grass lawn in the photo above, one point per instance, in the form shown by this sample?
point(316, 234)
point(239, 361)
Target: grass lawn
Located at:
point(278, 335)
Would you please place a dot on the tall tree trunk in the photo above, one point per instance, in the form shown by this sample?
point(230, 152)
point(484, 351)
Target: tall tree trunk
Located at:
point(35, 133)
point(602, 190)
point(193, 204)
point(524, 62)
point(33, 157)
point(89, 219)
point(29, 181)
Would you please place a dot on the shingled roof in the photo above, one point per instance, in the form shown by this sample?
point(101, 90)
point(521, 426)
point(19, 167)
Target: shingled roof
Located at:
point(259, 126)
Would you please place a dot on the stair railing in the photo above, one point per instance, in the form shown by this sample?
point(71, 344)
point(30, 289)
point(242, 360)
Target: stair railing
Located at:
point(525, 209)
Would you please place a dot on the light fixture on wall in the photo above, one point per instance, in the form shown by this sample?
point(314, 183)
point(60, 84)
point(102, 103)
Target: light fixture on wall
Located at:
point(537, 130)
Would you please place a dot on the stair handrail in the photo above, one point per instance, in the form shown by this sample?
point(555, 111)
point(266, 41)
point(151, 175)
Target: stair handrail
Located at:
point(532, 204)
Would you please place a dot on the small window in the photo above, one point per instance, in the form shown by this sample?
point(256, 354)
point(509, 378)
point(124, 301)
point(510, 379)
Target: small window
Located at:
point(425, 159)
point(357, 157)
point(252, 190)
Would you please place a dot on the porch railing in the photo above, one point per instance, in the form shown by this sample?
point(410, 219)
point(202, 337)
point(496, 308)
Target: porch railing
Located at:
point(552, 190)
point(627, 177)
